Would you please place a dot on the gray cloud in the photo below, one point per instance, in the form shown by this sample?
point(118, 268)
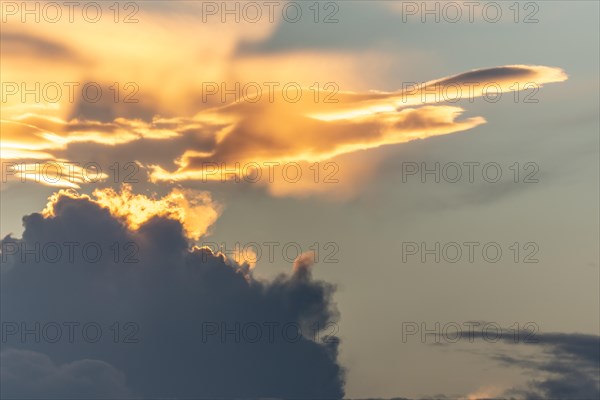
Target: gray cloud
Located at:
point(491, 74)
point(571, 361)
point(32, 375)
point(574, 364)
point(171, 296)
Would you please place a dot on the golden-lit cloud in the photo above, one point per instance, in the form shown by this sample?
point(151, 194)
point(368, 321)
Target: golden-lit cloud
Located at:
point(246, 133)
point(486, 392)
point(306, 131)
point(304, 261)
point(300, 119)
point(196, 210)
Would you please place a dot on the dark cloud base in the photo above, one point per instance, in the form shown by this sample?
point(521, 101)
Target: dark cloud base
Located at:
point(170, 295)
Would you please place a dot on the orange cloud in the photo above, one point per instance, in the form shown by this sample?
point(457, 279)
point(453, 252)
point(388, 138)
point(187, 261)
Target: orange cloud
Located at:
point(306, 131)
point(196, 210)
point(212, 137)
point(247, 133)
point(486, 392)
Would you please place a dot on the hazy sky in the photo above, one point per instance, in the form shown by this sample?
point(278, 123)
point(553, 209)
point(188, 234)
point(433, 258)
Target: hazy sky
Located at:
point(407, 193)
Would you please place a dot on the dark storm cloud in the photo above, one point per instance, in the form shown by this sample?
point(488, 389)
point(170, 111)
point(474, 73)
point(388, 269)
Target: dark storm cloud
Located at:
point(32, 375)
point(187, 309)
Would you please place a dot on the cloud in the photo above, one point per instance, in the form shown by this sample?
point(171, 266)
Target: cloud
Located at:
point(228, 141)
point(171, 110)
point(193, 314)
point(573, 364)
point(158, 30)
point(309, 132)
point(32, 375)
point(18, 44)
point(569, 363)
point(195, 210)
point(304, 262)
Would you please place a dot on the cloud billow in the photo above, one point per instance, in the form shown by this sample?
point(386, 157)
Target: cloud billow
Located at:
point(199, 324)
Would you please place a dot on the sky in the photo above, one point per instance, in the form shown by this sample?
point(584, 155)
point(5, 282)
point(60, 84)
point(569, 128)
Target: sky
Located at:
point(304, 200)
